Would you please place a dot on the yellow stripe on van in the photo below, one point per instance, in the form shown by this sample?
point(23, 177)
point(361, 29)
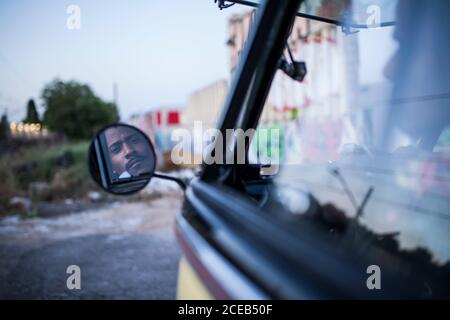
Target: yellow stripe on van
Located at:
point(189, 286)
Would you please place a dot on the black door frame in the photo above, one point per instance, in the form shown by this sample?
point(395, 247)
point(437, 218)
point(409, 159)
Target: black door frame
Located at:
point(253, 77)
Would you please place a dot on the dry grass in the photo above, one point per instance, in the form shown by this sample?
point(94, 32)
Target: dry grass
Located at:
point(62, 167)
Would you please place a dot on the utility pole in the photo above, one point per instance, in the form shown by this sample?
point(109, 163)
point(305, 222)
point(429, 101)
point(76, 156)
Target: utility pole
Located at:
point(116, 95)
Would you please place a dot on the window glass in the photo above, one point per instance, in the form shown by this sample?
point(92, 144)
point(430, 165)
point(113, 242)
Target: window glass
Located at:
point(367, 133)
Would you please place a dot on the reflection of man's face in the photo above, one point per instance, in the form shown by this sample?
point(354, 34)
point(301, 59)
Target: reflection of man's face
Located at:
point(129, 151)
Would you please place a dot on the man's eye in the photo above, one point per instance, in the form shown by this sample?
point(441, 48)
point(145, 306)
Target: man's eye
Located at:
point(135, 140)
point(115, 150)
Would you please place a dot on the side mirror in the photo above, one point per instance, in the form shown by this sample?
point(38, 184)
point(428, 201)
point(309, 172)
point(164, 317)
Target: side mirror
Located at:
point(122, 159)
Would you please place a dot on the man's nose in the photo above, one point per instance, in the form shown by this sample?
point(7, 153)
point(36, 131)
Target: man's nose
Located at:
point(128, 150)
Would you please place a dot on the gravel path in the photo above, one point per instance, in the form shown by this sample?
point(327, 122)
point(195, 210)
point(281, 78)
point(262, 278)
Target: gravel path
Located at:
point(124, 251)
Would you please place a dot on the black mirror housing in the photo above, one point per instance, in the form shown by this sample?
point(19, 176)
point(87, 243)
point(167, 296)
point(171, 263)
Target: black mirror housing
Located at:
point(122, 159)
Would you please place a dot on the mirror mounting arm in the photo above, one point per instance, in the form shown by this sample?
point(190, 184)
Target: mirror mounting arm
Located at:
point(179, 181)
point(296, 70)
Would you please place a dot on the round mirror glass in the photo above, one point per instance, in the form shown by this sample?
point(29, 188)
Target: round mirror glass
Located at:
point(122, 159)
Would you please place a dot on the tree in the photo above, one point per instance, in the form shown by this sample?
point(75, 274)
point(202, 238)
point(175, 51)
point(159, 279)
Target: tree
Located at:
point(73, 109)
point(32, 114)
point(4, 128)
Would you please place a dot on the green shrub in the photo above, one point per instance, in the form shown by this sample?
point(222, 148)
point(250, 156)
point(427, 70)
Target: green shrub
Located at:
point(63, 167)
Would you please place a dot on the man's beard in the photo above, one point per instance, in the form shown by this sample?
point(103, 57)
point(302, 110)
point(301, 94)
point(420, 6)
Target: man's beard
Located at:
point(136, 165)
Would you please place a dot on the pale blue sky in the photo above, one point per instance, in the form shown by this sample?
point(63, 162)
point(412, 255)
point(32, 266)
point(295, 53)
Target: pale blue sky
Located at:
point(157, 51)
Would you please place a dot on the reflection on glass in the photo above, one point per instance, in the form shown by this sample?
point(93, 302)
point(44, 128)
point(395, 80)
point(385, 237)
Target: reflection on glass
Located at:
point(368, 134)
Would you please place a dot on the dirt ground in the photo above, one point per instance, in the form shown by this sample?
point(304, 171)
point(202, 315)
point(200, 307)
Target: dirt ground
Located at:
point(124, 251)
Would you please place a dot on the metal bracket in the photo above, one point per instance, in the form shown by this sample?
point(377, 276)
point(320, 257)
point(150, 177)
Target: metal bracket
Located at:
point(221, 4)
